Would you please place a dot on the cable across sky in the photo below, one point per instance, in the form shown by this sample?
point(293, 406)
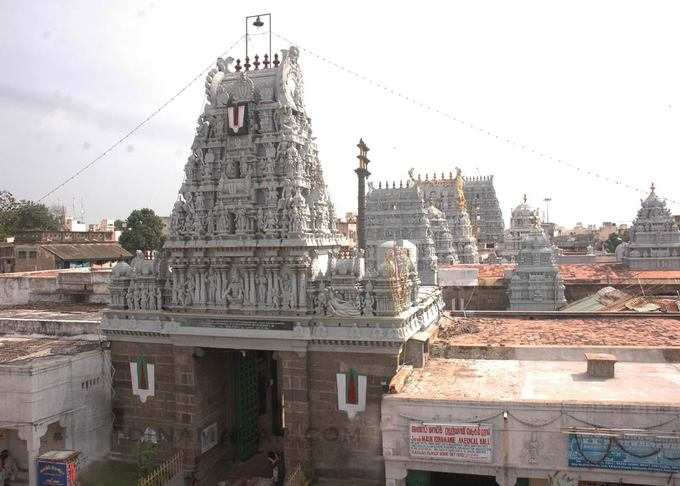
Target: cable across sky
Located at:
point(428, 107)
point(378, 84)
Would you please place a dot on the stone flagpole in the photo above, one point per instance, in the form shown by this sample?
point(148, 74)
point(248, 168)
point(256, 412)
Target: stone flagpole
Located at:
point(362, 175)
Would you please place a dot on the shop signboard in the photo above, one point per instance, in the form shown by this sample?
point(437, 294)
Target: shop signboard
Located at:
point(52, 473)
point(460, 442)
point(627, 452)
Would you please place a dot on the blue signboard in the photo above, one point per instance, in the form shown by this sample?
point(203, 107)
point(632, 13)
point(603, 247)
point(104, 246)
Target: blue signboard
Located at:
point(52, 473)
point(629, 453)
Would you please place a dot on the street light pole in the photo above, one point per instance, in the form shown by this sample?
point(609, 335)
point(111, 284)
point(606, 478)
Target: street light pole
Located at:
point(547, 209)
point(259, 23)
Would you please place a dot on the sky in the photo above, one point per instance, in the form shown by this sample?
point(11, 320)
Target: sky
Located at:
point(595, 84)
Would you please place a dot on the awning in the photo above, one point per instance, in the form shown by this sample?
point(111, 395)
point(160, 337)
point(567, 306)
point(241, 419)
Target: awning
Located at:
point(88, 251)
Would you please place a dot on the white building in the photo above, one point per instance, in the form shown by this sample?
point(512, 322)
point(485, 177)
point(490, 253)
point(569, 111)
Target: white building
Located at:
point(55, 393)
point(536, 415)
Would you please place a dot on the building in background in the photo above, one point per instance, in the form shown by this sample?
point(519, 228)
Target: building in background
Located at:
point(104, 225)
point(74, 225)
point(347, 226)
point(6, 257)
point(49, 250)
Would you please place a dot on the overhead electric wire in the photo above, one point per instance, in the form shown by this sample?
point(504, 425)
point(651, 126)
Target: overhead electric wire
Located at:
point(140, 124)
point(378, 84)
point(472, 126)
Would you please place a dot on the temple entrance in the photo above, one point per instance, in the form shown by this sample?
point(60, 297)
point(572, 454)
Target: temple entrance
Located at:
point(252, 416)
point(427, 478)
point(248, 405)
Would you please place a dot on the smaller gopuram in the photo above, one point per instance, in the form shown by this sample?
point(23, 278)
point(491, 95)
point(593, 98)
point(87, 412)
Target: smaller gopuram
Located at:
point(521, 224)
point(443, 241)
point(399, 213)
point(536, 284)
point(481, 204)
point(484, 210)
point(654, 238)
point(448, 195)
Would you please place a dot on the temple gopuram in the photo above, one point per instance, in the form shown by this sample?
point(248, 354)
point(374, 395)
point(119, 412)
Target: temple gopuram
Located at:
point(535, 283)
point(256, 328)
point(654, 238)
point(481, 204)
point(521, 224)
point(396, 213)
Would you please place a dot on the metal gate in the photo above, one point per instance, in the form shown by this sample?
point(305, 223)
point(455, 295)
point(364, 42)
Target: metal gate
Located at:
point(246, 406)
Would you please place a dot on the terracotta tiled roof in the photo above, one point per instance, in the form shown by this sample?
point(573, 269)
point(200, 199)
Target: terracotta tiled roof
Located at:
point(18, 350)
point(88, 251)
point(564, 331)
point(606, 273)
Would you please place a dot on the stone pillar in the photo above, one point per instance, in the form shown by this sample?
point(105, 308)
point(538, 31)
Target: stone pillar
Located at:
point(295, 390)
point(32, 434)
point(362, 174)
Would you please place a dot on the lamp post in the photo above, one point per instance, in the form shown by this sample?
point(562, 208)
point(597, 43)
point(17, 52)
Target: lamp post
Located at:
point(258, 23)
point(362, 174)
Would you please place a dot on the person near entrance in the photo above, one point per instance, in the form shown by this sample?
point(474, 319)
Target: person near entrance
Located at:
point(278, 474)
point(8, 467)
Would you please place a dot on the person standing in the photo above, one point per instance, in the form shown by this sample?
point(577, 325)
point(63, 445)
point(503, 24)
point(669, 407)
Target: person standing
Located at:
point(278, 474)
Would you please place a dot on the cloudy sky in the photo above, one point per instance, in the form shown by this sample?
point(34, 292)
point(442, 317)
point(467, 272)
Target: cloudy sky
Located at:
point(595, 84)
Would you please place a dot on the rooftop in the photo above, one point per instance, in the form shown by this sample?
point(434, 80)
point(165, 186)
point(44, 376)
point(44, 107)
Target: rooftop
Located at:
point(54, 311)
point(594, 330)
point(542, 381)
point(88, 251)
point(23, 349)
point(607, 273)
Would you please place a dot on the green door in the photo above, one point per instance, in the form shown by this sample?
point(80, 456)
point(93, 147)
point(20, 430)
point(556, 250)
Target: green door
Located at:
point(246, 406)
point(418, 478)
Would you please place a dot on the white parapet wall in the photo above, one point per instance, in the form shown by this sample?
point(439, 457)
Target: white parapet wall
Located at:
point(51, 286)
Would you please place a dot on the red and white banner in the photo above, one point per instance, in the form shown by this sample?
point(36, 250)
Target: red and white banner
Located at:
point(462, 442)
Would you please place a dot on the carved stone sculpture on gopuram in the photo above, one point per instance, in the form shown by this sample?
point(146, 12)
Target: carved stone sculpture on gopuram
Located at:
point(252, 231)
point(654, 238)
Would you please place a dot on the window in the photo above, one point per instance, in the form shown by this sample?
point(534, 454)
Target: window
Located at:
point(33, 255)
point(22, 254)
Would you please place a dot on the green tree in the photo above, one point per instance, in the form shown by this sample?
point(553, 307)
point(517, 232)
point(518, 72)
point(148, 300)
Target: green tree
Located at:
point(24, 216)
point(612, 242)
point(119, 225)
point(144, 231)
